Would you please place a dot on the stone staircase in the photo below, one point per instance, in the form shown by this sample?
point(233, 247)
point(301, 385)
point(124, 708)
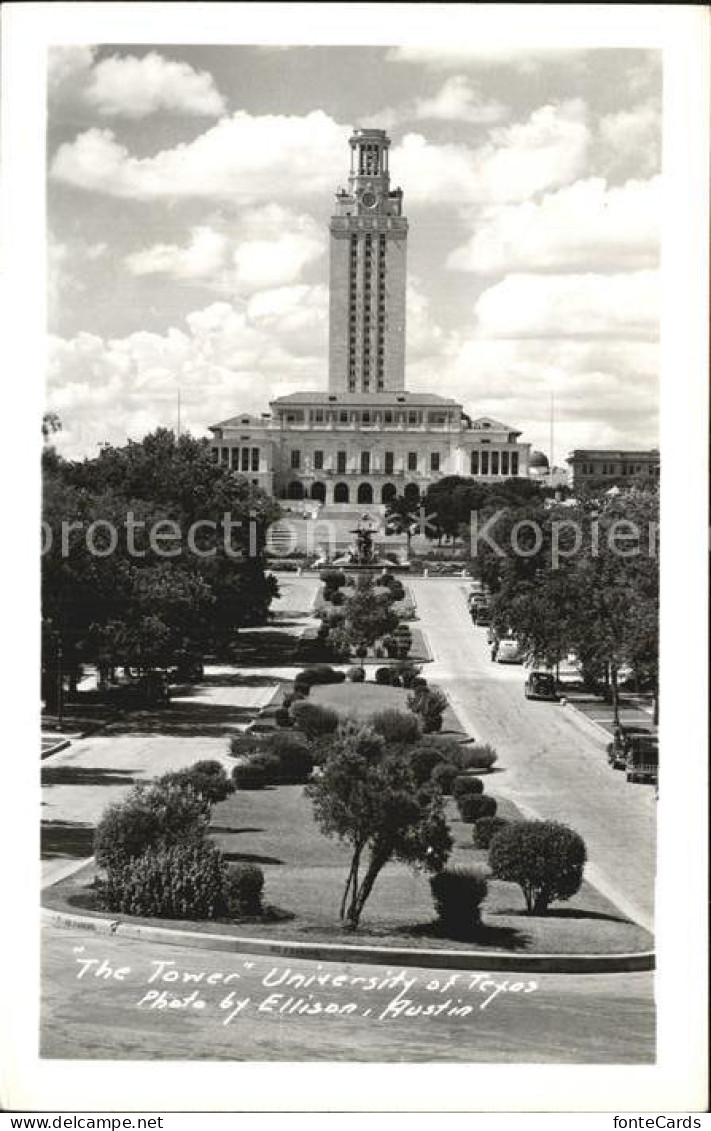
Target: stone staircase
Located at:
point(331, 531)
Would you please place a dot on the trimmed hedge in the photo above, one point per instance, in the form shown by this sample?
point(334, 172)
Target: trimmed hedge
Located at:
point(294, 758)
point(544, 858)
point(184, 881)
point(207, 778)
point(249, 775)
point(245, 884)
point(314, 720)
point(156, 817)
point(478, 757)
point(472, 808)
point(396, 726)
point(356, 674)
point(458, 894)
point(444, 776)
point(467, 785)
point(486, 828)
point(383, 676)
point(319, 674)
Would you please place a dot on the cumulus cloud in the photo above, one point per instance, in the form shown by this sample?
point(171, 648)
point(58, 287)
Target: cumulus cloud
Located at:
point(516, 161)
point(606, 392)
point(127, 86)
point(584, 225)
point(458, 101)
point(590, 305)
point(225, 360)
point(270, 246)
point(249, 158)
point(245, 158)
point(524, 60)
point(630, 139)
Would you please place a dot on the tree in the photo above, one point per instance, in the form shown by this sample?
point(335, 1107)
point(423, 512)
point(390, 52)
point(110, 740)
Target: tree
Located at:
point(400, 517)
point(544, 858)
point(368, 615)
point(368, 798)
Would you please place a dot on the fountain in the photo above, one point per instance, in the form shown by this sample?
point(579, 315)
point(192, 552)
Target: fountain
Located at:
point(362, 555)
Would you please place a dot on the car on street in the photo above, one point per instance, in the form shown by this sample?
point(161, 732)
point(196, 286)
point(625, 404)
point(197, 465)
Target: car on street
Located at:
point(509, 651)
point(642, 761)
point(618, 748)
point(481, 615)
point(541, 685)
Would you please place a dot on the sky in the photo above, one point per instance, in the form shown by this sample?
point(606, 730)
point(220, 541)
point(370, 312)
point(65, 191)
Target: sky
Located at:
point(189, 194)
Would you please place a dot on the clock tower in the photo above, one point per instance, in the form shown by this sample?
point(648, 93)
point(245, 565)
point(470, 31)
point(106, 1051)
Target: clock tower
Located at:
point(367, 275)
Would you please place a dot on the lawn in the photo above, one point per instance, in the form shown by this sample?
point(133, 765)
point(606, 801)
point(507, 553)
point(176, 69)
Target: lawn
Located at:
point(364, 699)
point(305, 872)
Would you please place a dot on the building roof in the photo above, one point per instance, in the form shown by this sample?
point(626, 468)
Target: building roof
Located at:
point(612, 453)
point(538, 459)
point(376, 400)
point(244, 420)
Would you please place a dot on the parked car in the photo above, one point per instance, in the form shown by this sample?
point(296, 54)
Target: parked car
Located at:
point(481, 615)
point(642, 762)
point(617, 749)
point(509, 651)
point(541, 685)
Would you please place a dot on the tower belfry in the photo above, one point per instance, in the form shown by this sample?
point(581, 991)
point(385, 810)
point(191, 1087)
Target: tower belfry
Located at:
point(367, 274)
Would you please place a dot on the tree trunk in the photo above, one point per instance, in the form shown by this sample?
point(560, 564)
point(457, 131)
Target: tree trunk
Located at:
point(352, 880)
point(655, 716)
point(377, 860)
point(615, 696)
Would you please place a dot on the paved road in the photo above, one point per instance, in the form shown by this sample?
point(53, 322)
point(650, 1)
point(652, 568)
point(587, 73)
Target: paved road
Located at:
point(551, 765)
point(563, 1019)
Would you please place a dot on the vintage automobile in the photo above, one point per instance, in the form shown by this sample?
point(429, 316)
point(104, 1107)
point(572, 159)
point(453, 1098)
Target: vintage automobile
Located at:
point(617, 749)
point(642, 761)
point(541, 685)
point(509, 651)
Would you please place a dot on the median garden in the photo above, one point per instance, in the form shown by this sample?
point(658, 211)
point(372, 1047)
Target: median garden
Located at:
point(363, 817)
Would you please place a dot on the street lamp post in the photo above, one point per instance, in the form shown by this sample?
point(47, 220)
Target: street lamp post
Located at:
point(60, 688)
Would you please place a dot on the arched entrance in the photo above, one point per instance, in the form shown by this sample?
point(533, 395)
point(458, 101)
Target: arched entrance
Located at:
point(365, 493)
point(318, 492)
point(340, 493)
point(388, 493)
point(412, 494)
point(295, 490)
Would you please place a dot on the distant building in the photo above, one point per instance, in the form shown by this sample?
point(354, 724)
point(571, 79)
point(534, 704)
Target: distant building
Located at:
point(365, 439)
point(594, 468)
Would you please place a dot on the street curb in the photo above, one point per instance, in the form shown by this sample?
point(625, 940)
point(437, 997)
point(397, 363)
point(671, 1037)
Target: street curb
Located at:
point(381, 956)
point(579, 719)
point(55, 749)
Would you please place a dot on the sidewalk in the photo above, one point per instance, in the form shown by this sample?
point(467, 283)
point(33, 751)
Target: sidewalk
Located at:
point(633, 711)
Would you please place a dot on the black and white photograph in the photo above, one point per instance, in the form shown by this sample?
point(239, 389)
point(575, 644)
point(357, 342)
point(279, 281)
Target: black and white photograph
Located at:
point(356, 478)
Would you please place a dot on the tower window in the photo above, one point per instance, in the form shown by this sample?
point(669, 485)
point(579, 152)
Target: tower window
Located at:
point(255, 459)
point(318, 461)
point(295, 459)
point(389, 462)
point(340, 462)
point(434, 461)
point(474, 463)
point(412, 461)
point(514, 463)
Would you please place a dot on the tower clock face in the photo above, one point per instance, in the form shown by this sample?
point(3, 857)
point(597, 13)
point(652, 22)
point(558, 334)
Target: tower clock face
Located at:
point(368, 198)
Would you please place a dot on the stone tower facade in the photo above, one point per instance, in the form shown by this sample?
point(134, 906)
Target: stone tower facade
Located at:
point(367, 275)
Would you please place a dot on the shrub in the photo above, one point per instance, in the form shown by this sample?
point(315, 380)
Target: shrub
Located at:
point(333, 578)
point(245, 883)
point(183, 881)
point(383, 676)
point(466, 785)
point(429, 703)
point(443, 776)
point(544, 858)
point(244, 745)
point(156, 816)
point(313, 720)
point(319, 674)
point(361, 651)
point(403, 649)
point(335, 597)
point(210, 780)
point(294, 758)
point(302, 690)
point(485, 829)
point(282, 718)
point(397, 727)
point(356, 674)
point(478, 757)
point(471, 807)
point(395, 680)
point(423, 761)
point(269, 764)
point(408, 673)
point(458, 894)
point(288, 700)
point(419, 683)
point(390, 645)
point(249, 775)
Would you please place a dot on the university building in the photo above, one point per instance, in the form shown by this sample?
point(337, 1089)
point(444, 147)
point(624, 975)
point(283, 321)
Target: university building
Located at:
point(595, 468)
point(366, 439)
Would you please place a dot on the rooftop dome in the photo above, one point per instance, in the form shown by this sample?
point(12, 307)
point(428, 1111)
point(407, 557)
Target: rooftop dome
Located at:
point(538, 459)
